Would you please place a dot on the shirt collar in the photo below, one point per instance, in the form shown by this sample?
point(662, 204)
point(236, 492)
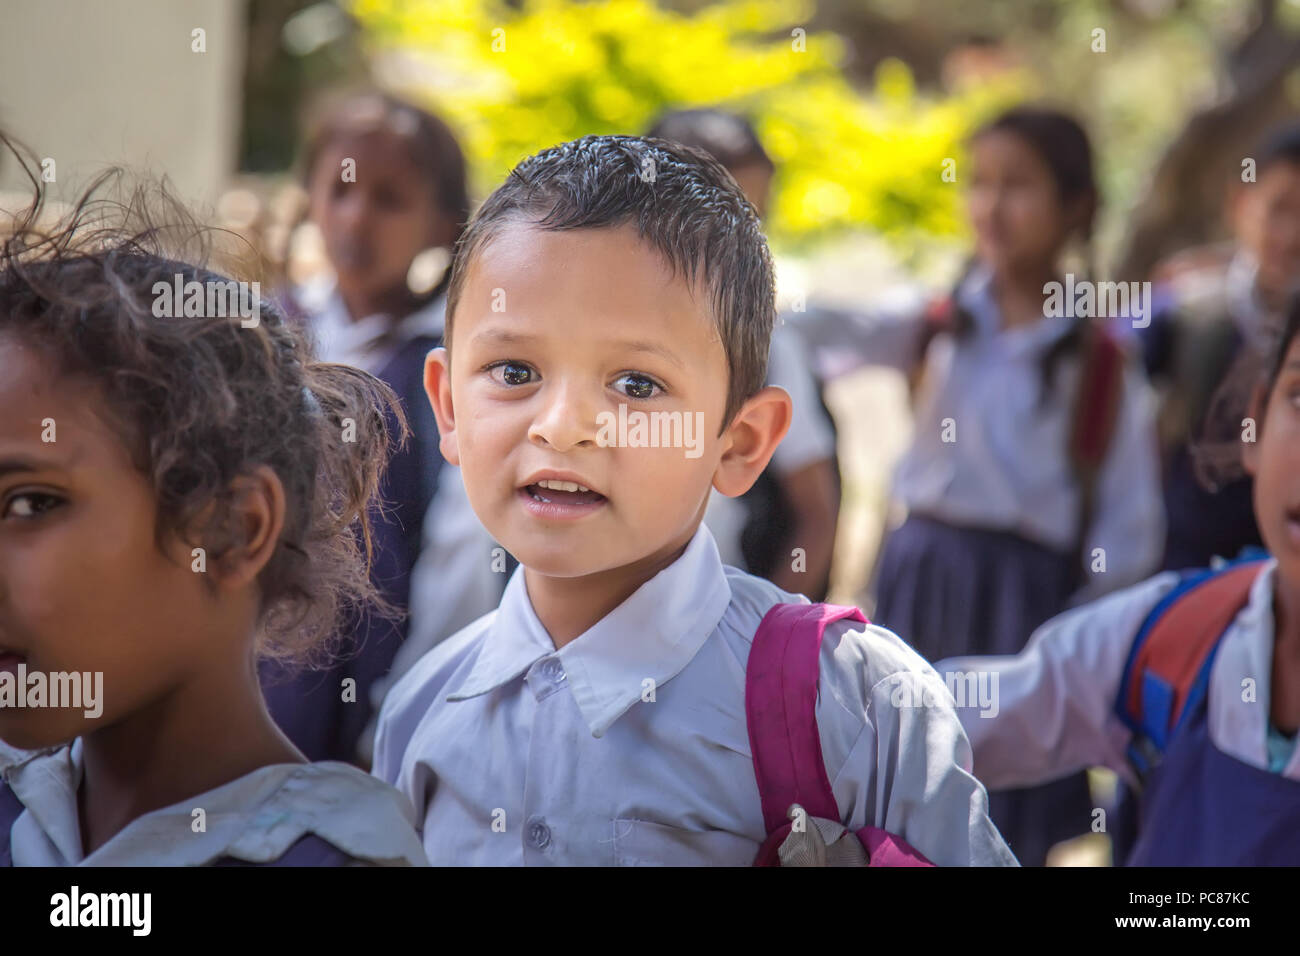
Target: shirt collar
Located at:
point(1240, 726)
point(975, 294)
point(643, 643)
point(255, 818)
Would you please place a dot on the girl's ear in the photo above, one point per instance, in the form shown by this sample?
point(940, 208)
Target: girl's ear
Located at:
point(751, 438)
point(1250, 449)
point(437, 385)
point(249, 530)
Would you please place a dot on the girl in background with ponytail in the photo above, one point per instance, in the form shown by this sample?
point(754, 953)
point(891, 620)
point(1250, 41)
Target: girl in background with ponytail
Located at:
point(1031, 483)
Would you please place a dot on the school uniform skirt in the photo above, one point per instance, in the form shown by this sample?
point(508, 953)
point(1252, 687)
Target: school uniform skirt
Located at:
point(952, 591)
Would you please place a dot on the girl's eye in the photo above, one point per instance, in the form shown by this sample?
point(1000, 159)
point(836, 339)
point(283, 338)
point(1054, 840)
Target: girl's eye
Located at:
point(511, 373)
point(636, 385)
point(32, 504)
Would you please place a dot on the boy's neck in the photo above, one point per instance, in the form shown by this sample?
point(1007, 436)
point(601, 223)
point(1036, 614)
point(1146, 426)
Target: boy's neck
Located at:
point(193, 740)
point(569, 607)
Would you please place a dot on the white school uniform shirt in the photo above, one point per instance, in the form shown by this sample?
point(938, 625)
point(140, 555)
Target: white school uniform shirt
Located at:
point(255, 818)
point(1008, 467)
point(629, 744)
point(809, 440)
point(1056, 699)
point(452, 582)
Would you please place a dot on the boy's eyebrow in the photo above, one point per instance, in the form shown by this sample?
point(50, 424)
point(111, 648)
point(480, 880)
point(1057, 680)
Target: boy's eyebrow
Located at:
point(504, 336)
point(511, 337)
point(654, 348)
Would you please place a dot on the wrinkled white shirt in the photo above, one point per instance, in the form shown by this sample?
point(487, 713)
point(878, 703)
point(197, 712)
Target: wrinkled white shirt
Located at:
point(255, 818)
point(629, 745)
point(1056, 699)
point(1007, 468)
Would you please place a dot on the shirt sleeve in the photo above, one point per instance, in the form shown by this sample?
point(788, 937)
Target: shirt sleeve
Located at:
point(1129, 512)
point(1051, 711)
point(810, 438)
point(896, 753)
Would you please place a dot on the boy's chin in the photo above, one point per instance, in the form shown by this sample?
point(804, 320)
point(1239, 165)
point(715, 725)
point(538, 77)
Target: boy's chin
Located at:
point(554, 563)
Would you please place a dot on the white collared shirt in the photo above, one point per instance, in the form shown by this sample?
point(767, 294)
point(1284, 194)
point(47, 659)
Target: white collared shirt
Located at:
point(985, 453)
point(255, 818)
point(1056, 699)
point(629, 745)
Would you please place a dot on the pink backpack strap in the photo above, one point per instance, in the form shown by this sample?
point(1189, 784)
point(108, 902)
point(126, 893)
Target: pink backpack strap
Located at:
point(781, 710)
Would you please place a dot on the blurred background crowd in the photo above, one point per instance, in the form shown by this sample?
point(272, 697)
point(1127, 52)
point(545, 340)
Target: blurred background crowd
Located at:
point(852, 127)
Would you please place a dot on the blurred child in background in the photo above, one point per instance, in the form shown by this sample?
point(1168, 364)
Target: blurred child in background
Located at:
point(387, 189)
point(794, 503)
point(1187, 684)
point(1222, 304)
point(1034, 442)
point(176, 502)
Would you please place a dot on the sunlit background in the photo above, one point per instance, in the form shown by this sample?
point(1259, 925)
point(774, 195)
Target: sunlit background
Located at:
point(861, 104)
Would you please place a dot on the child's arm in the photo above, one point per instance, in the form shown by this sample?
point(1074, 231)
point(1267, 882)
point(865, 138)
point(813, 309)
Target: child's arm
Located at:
point(1052, 709)
point(895, 751)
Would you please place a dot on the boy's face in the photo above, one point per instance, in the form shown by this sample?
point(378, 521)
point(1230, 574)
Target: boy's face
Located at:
point(1274, 461)
point(553, 332)
point(1266, 220)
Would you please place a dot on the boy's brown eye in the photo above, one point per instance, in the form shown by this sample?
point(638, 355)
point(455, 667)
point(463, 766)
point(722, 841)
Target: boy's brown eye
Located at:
point(511, 373)
point(637, 386)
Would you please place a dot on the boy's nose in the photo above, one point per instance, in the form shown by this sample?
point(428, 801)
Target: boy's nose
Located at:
point(567, 419)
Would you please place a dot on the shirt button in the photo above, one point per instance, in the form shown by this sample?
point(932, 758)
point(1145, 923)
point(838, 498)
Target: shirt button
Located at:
point(539, 834)
point(553, 670)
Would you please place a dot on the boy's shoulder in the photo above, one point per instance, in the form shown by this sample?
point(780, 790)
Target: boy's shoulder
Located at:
point(854, 657)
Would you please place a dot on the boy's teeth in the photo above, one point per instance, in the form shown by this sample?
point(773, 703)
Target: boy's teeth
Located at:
point(555, 485)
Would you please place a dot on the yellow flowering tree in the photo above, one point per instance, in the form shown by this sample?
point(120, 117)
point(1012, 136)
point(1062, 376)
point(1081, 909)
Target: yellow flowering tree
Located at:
point(516, 78)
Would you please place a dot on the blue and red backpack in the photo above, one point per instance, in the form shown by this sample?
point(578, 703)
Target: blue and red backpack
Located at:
point(1168, 669)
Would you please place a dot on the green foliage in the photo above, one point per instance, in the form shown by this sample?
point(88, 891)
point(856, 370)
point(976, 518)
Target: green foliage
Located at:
point(515, 79)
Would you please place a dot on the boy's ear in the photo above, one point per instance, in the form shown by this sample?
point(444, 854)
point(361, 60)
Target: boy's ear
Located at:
point(246, 534)
point(751, 438)
point(1250, 449)
point(437, 385)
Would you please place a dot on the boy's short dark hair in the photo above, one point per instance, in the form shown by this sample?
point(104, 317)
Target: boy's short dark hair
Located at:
point(681, 201)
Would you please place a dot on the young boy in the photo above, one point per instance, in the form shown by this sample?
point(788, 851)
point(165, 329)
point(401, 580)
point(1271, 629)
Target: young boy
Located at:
point(598, 715)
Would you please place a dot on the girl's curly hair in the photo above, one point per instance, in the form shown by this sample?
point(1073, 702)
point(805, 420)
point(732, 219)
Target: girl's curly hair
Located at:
point(200, 400)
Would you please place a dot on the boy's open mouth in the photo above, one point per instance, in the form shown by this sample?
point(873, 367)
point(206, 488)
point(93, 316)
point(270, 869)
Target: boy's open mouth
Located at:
point(560, 498)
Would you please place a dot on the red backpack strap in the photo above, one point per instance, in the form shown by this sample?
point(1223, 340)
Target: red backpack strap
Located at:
point(1169, 665)
point(781, 710)
point(1096, 410)
point(1097, 402)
